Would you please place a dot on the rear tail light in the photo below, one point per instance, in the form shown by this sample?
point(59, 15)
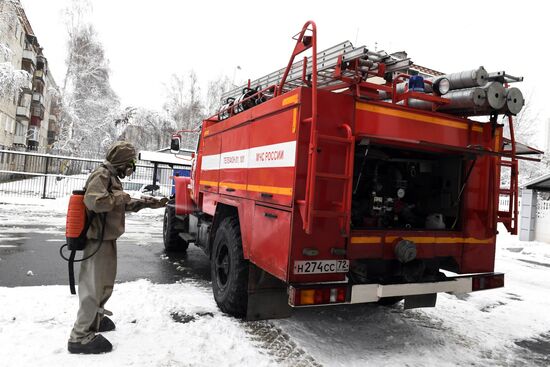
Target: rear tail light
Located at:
point(306, 297)
point(487, 281)
point(317, 296)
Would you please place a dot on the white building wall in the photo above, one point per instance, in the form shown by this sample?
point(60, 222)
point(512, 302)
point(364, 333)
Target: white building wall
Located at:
point(542, 221)
point(534, 222)
point(12, 35)
point(49, 91)
point(527, 213)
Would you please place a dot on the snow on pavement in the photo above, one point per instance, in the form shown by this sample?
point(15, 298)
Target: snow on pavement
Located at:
point(35, 323)
point(480, 328)
point(180, 325)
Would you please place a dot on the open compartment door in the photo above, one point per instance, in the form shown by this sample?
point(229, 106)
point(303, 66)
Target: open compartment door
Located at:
point(523, 151)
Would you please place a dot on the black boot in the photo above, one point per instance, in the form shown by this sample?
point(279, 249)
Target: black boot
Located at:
point(106, 324)
point(95, 346)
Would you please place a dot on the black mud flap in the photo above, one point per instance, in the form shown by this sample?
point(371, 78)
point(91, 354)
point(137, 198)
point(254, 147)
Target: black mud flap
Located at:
point(267, 296)
point(421, 300)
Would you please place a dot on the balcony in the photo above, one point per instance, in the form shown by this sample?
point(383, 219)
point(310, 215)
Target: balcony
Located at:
point(23, 113)
point(27, 87)
point(38, 97)
point(33, 133)
point(19, 139)
point(41, 59)
point(30, 56)
point(39, 74)
point(52, 118)
point(37, 111)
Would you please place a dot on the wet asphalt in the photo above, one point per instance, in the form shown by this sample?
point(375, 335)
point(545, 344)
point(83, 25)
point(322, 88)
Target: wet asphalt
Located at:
point(29, 256)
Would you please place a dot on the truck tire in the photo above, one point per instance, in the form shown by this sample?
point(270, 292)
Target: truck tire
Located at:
point(229, 269)
point(170, 231)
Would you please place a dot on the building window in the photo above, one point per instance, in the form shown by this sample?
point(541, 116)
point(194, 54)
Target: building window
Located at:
point(19, 129)
point(11, 128)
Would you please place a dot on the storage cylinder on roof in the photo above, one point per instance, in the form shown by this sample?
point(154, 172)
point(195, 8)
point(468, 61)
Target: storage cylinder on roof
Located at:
point(458, 100)
point(496, 95)
point(467, 79)
point(514, 100)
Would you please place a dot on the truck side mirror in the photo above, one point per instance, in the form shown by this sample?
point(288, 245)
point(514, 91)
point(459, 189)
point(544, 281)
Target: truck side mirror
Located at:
point(151, 188)
point(175, 144)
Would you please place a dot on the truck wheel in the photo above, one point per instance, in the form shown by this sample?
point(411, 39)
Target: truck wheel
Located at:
point(229, 269)
point(170, 230)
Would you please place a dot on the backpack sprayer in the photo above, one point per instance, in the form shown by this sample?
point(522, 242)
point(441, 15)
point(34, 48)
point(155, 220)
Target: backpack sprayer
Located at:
point(78, 223)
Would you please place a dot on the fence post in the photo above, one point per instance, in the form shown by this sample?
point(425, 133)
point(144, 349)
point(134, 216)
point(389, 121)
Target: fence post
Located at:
point(45, 177)
point(155, 167)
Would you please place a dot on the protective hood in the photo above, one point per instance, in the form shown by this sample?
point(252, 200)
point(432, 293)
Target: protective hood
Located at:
point(120, 154)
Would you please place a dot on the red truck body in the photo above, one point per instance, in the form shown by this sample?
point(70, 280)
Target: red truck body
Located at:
point(260, 167)
point(289, 171)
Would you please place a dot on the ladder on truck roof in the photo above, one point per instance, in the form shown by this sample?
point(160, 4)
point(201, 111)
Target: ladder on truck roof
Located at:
point(327, 64)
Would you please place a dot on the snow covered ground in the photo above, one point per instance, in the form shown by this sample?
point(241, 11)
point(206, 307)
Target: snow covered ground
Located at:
point(179, 324)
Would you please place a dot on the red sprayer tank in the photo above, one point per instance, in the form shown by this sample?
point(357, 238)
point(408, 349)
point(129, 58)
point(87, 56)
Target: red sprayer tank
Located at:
point(76, 219)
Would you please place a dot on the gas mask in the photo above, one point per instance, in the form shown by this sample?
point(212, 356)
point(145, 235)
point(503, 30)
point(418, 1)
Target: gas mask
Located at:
point(128, 170)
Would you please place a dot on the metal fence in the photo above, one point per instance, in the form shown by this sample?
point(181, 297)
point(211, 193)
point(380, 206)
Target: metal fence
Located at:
point(25, 174)
point(543, 208)
point(503, 202)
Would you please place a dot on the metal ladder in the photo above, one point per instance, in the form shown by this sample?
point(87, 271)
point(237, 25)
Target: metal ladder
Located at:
point(510, 217)
point(308, 210)
point(341, 209)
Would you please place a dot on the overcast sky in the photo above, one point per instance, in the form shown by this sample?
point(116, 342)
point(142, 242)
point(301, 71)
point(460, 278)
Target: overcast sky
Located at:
point(147, 41)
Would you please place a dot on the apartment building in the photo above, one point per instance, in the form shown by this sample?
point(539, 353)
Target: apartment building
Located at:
point(28, 118)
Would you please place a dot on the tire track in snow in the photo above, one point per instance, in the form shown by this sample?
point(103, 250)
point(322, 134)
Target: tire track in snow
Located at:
point(278, 344)
point(536, 350)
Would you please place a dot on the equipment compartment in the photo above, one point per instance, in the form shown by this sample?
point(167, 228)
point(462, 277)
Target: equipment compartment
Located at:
point(394, 188)
point(271, 240)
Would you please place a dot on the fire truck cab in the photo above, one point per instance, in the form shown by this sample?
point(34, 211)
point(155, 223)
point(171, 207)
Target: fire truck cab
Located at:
point(345, 178)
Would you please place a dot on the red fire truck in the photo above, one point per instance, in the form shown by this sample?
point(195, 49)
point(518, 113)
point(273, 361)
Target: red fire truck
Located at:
point(350, 176)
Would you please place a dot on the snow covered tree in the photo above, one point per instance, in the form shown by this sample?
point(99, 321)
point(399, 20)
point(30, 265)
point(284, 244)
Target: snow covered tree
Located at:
point(214, 93)
point(147, 129)
point(195, 104)
point(90, 106)
point(11, 79)
point(176, 100)
point(184, 105)
point(527, 128)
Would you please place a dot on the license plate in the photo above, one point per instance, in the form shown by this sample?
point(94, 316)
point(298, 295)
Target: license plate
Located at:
point(321, 266)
